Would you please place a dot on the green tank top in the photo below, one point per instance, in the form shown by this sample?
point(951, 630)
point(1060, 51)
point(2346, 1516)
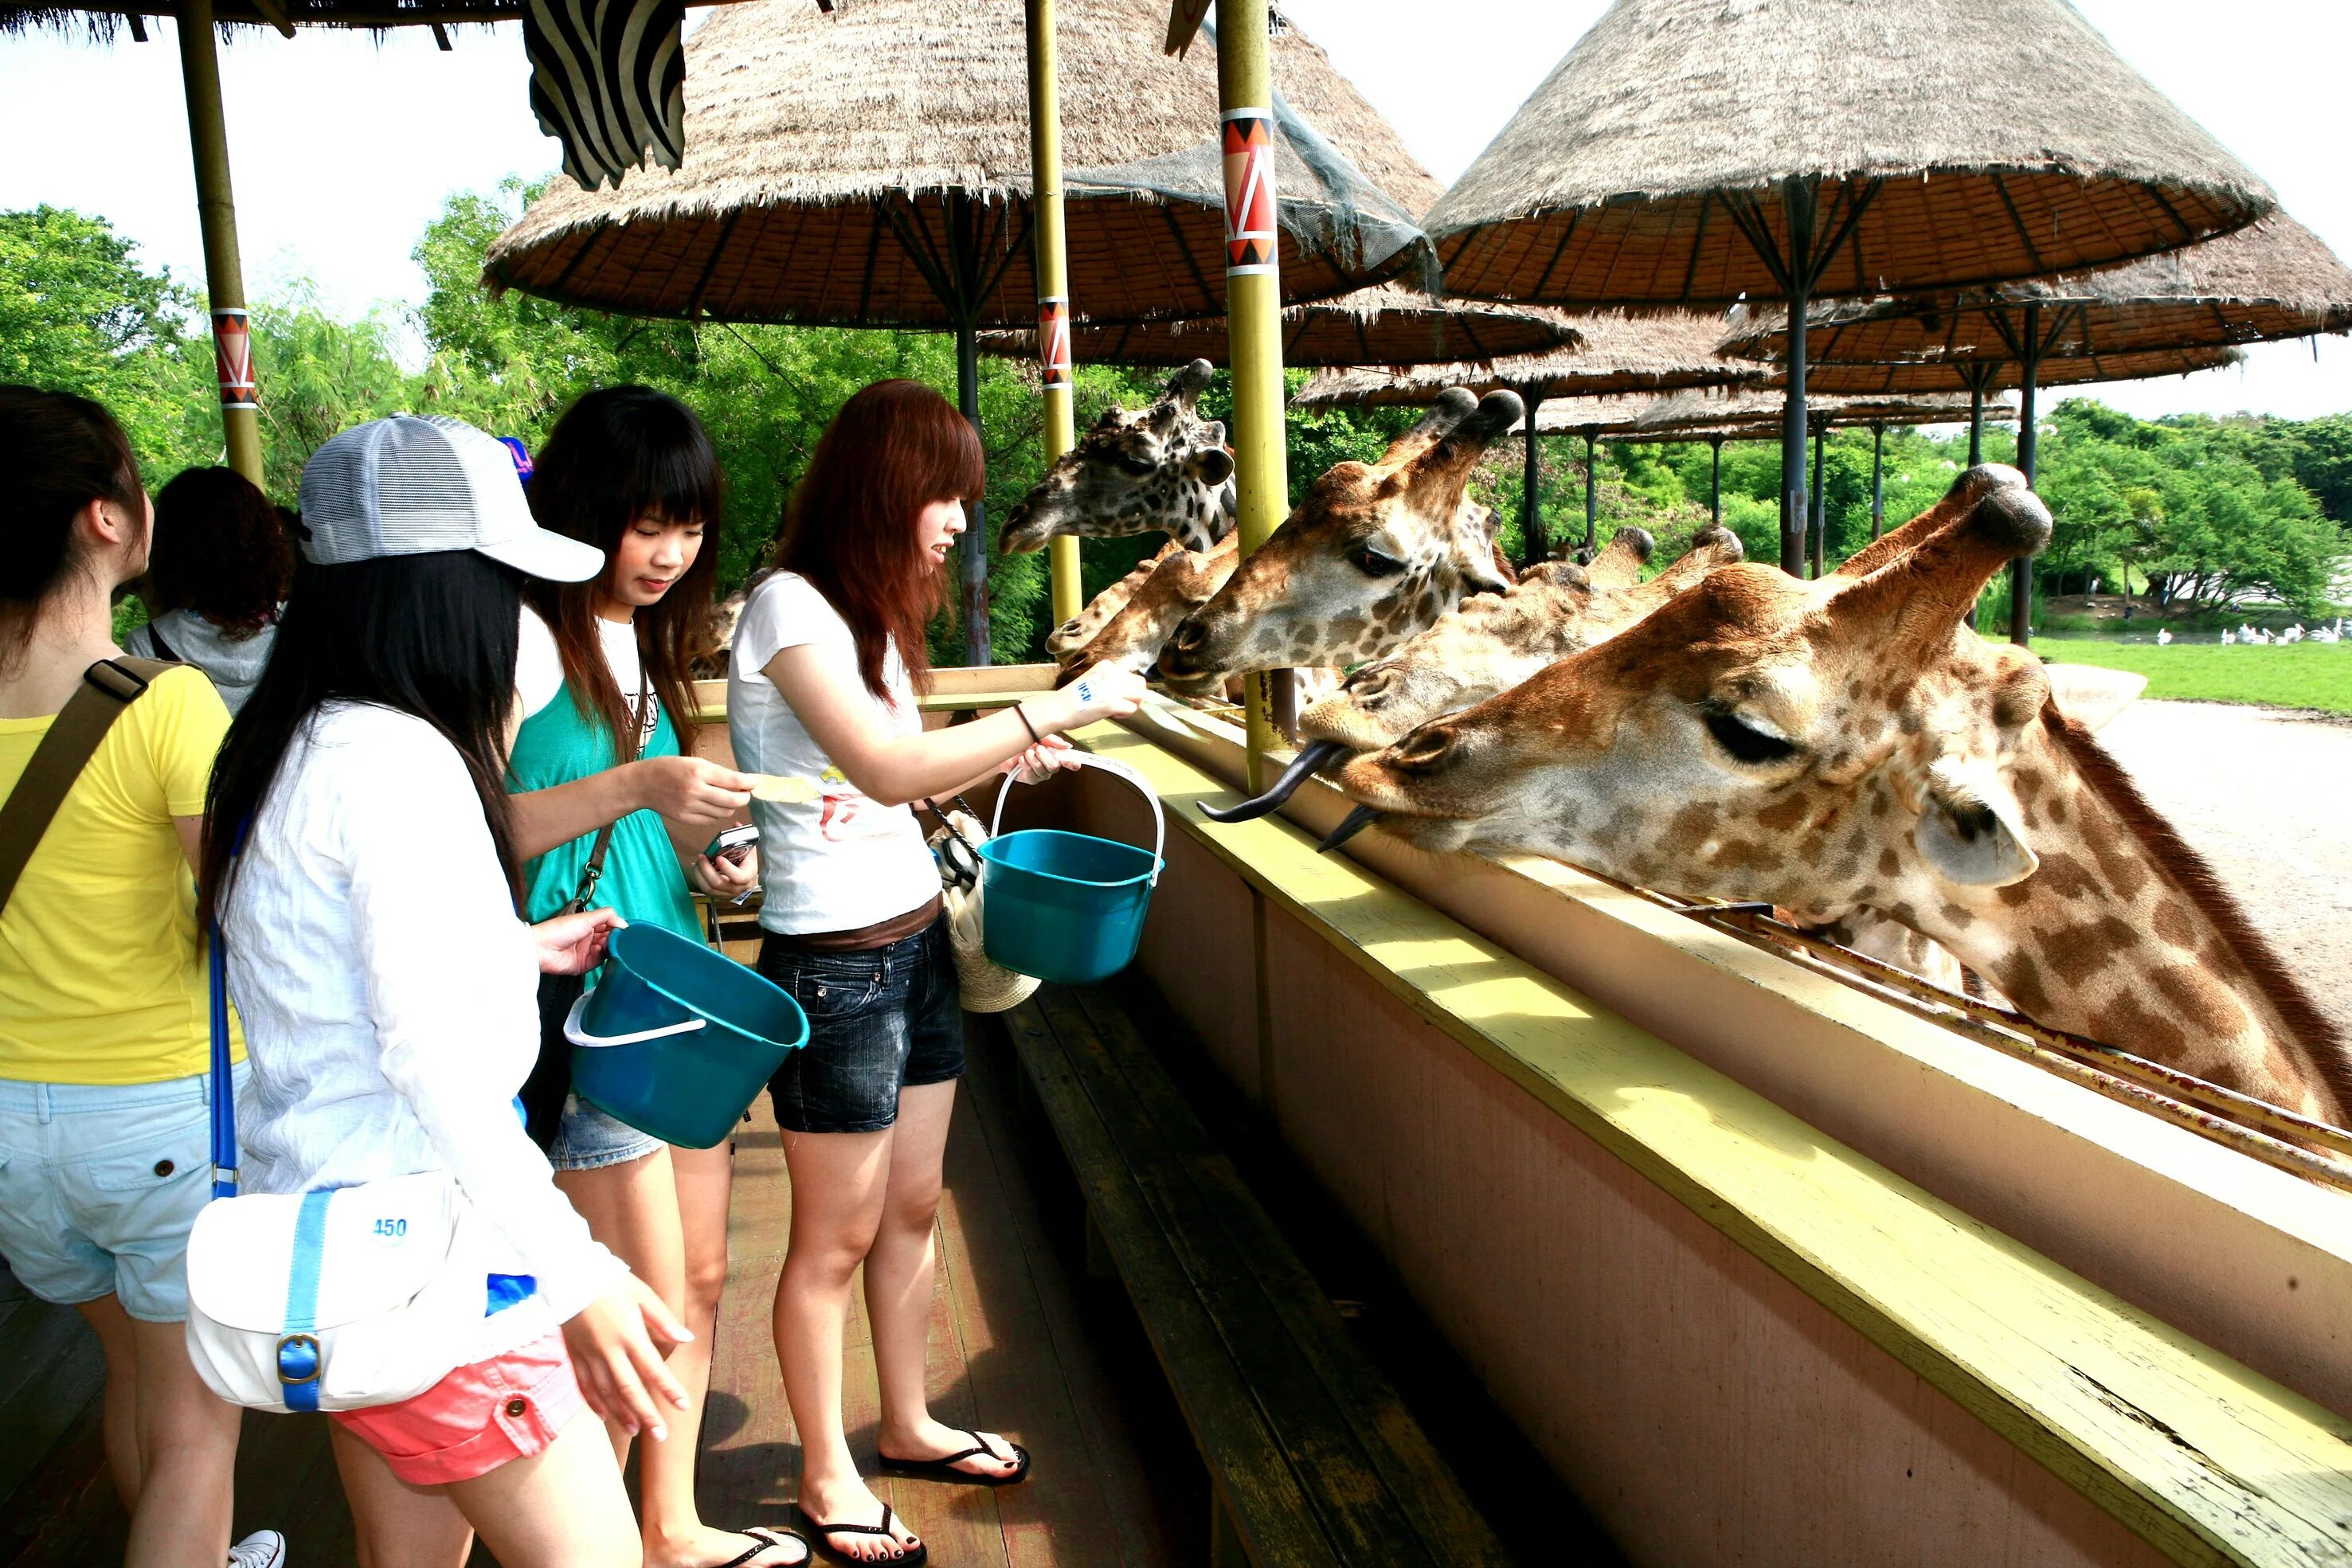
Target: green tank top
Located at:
point(642, 881)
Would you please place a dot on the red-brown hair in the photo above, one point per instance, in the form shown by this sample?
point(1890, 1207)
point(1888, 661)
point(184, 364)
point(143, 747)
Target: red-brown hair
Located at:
point(895, 447)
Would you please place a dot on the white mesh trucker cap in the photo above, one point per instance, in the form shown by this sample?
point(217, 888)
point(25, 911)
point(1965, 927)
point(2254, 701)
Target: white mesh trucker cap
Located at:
point(411, 484)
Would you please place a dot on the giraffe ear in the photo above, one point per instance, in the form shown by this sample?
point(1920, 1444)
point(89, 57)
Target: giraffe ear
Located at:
point(1971, 835)
point(1211, 465)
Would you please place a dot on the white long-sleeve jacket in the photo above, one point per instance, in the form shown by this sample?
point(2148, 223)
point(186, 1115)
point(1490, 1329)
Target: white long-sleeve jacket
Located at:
point(389, 998)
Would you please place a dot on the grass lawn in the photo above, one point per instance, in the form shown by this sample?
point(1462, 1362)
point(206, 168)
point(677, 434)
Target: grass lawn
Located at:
point(2305, 675)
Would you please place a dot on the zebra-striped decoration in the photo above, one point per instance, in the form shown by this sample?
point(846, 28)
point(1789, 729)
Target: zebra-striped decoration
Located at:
point(608, 81)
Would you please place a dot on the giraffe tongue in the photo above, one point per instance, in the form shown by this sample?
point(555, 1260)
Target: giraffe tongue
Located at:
point(1354, 823)
point(1311, 759)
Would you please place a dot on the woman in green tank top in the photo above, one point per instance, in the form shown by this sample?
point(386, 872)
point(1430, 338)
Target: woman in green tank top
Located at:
point(606, 743)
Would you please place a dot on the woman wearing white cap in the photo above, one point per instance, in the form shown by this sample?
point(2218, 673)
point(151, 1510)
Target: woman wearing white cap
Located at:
point(359, 863)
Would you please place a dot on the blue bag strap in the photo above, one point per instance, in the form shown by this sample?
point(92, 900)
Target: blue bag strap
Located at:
point(223, 1086)
point(298, 1361)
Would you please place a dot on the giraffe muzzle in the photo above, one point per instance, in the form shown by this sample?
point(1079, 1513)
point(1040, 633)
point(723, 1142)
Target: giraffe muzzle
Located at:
point(1312, 758)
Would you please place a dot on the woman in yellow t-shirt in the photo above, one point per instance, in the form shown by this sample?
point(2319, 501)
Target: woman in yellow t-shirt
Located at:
point(105, 1157)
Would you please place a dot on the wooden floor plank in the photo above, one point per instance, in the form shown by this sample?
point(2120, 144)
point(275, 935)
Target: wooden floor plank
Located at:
point(52, 1374)
point(1073, 1508)
point(1420, 1484)
point(1159, 1140)
point(1272, 1509)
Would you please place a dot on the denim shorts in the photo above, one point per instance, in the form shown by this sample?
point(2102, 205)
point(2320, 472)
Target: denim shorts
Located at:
point(587, 1139)
point(880, 1020)
point(99, 1184)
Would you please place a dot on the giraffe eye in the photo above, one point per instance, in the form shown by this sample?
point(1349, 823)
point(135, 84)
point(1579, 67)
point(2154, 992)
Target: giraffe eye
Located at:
point(1745, 741)
point(1373, 562)
point(1139, 466)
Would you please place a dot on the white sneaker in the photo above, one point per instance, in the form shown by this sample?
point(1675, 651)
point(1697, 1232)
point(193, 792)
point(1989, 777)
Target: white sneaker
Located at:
point(262, 1549)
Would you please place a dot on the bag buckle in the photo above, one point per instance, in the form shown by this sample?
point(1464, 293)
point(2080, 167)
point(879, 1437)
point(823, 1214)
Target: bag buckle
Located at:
point(123, 685)
point(298, 1360)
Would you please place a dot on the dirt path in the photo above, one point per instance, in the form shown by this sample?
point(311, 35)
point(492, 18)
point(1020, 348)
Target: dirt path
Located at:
point(2266, 796)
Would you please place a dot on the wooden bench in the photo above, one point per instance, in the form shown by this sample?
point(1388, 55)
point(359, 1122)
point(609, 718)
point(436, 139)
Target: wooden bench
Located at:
point(1312, 1458)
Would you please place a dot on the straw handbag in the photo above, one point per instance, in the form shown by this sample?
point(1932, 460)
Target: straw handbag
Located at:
point(987, 988)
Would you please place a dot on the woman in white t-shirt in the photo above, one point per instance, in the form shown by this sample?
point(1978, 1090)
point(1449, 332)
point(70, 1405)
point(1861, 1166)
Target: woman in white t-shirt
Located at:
point(828, 658)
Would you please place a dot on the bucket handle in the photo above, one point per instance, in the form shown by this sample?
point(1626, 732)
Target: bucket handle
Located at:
point(579, 1036)
point(1118, 769)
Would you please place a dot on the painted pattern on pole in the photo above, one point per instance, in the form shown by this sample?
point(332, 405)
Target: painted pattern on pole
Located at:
point(233, 359)
point(1250, 233)
point(1054, 338)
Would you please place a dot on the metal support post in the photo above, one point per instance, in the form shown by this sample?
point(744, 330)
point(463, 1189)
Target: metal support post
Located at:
point(1051, 261)
point(1798, 202)
point(975, 539)
point(216, 214)
point(1253, 308)
point(2029, 450)
point(1591, 469)
point(1877, 480)
point(1532, 544)
point(1818, 527)
point(1715, 481)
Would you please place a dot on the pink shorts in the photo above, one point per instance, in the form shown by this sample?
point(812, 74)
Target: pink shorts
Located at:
point(475, 1419)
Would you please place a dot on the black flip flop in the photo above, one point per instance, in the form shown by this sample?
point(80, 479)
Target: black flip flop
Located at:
point(763, 1538)
point(944, 1467)
point(831, 1553)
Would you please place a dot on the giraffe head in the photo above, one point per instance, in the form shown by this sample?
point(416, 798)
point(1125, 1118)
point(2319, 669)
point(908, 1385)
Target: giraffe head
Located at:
point(1488, 645)
point(1164, 468)
point(1482, 646)
point(1374, 553)
point(1129, 622)
point(1817, 745)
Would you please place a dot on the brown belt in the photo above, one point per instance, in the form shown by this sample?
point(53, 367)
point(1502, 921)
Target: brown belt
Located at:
point(865, 938)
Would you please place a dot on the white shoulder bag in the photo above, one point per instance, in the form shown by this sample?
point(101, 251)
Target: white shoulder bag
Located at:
point(334, 1299)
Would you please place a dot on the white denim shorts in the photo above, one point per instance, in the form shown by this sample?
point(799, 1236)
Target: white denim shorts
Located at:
point(99, 1185)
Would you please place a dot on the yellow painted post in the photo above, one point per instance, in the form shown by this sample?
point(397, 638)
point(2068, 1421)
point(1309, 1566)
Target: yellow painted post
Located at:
point(1053, 279)
point(1252, 306)
point(216, 212)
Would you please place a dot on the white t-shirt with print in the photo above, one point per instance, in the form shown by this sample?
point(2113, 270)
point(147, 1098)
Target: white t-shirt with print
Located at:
point(843, 860)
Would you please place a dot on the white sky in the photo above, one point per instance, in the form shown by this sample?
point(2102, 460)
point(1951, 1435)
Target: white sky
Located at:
point(342, 148)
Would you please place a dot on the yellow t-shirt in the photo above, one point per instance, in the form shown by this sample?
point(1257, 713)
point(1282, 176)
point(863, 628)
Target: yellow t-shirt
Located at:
point(101, 978)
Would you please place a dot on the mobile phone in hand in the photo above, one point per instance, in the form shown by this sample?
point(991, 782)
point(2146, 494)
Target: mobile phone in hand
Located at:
point(733, 844)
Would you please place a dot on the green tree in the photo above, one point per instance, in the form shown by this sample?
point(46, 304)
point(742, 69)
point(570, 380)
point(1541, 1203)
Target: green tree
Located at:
point(78, 314)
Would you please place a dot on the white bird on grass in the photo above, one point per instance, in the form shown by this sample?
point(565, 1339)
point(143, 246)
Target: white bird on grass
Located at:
point(2228, 637)
point(2163, 637)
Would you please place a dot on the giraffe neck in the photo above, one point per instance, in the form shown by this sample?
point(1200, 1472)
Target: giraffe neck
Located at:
point(2124, 935)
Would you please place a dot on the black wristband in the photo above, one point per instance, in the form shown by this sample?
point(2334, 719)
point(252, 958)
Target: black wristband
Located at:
point(1034, 738)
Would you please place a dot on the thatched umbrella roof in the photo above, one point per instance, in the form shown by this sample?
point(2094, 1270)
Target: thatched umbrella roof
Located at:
point(1620, 353)
point(2000, 139)
point(1685, 416)
point(871, 168)
point(1932, 376)
point(2276, 279)
point(1384, 325)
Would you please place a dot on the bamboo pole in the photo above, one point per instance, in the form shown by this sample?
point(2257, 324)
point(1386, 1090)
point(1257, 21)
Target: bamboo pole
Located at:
point(1253, 308)
point(216, 214)
point(1052, 262)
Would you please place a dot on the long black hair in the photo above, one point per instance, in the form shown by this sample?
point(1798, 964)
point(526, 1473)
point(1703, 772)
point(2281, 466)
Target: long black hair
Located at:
point(617, 455)
point(432, 635)
point(59, 452)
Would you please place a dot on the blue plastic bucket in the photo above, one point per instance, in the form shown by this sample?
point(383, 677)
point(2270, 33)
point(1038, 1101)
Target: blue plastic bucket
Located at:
point(678, 1039)
point(1067, 906)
